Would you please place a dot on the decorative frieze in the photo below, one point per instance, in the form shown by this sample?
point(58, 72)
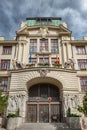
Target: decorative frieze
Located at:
point(15, 102)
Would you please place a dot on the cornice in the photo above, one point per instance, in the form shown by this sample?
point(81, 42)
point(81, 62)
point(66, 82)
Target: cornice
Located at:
point(78, 41)
point(8, 42)
point(40, 68)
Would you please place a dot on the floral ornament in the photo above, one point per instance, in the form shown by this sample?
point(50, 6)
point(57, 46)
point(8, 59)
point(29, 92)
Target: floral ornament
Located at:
point(49, 99)
point(38, 98)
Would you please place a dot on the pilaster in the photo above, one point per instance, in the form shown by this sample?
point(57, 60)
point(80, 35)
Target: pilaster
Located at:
point(64, 53)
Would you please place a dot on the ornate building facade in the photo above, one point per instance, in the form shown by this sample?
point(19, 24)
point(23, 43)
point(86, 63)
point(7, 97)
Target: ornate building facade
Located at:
point(44, 70)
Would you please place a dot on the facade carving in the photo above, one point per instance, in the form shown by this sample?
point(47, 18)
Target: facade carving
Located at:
point(44, 31)
point(15, 102)
point(43, 72)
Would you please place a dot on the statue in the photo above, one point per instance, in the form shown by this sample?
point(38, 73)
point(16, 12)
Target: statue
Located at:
point(69, 63)
point(17, 64)
point(44, 31)
point(14, 64)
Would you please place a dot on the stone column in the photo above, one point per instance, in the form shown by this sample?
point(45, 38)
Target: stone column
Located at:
point(50, 61)
point(60, 52)
point(64, 53)
point(37, 58)
point(20, 52)
point(74, 56)
point(49, 44)
point(69, 51)
point(25, 52)
point(38, 45)
point(17, 50)
point(49, 49)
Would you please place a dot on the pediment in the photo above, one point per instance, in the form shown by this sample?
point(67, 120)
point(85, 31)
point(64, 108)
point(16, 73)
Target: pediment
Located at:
point(22, 31)
point(43, 30)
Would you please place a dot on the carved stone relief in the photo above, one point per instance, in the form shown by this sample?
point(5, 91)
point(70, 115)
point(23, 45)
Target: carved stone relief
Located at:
point(44, 31)
point(43, 72)
point(70, 101)
point(15, 102)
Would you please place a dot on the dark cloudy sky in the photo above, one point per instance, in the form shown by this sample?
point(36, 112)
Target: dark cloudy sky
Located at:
point(13, 12)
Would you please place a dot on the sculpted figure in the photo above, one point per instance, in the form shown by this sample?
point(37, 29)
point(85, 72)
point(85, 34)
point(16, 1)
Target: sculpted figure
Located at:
point(69, 63)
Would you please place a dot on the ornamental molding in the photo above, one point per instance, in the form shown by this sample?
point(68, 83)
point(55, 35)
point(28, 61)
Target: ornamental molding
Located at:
point(44, 31)
point(15, 101)
point(43, 72)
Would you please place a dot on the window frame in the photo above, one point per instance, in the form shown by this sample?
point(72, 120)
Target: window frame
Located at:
point(80, 50)
point(5, 64)
point(44, 44)
point(83, 63)
point(83, 84)
point(54, 46)
point(4, 84)
point(7, 50)
point(33, 46)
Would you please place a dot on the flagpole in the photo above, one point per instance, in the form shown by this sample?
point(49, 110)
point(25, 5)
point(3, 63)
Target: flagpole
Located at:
point(30, 55)
point(57, 60)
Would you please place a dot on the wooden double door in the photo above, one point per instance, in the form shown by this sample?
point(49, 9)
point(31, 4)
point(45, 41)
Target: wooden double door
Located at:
point(47, 112)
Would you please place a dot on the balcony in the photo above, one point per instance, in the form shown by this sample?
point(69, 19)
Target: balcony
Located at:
point(44, 65)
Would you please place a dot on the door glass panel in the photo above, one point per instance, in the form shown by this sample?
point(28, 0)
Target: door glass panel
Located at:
point(54, 93)
point(43, 113)
point(44, 92)
point(33, 93)
point(55, 114)
point(32, 113)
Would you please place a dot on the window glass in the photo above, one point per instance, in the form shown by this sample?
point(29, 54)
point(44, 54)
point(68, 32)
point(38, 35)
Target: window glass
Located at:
point(5, 64)
point(33, 45)
point(82, 63)
point(7, 49)
point(80, 50)
point(54, 46)
point(83, 83)
point(44, 60)
point(43, 45)
point(4, 83)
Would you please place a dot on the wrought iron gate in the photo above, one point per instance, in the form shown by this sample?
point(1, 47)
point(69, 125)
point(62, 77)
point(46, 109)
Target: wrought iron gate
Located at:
point(43, 112)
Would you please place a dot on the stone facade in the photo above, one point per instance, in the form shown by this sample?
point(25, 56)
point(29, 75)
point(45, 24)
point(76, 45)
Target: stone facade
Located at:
point(44, 53)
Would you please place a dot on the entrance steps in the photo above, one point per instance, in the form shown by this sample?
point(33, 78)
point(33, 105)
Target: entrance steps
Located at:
point(44, 126)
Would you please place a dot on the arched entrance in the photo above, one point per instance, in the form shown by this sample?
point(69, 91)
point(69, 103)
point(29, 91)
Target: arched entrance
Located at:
point(44, 103)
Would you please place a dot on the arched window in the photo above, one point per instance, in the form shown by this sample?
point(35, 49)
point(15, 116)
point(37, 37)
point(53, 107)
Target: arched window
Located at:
point(42, 92)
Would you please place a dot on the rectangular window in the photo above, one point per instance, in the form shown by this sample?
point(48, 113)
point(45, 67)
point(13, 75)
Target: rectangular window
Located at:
point(80, 50)
point(44, 60)
point(33, 45)
point(43, 45)
point(7, 50)
point(5, 64)
point(54, 46)
point(82, 63)
point(83, 83)
point(4, 83)
point(53, 60)
point(34, 60)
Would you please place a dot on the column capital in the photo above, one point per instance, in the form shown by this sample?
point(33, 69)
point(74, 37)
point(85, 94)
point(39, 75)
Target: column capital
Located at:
point(22, 42)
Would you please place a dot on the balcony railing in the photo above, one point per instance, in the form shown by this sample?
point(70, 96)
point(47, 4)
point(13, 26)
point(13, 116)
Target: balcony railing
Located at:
point(44, 65)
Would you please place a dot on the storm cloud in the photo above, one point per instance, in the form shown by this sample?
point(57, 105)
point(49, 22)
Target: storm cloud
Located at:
point(13, 12)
